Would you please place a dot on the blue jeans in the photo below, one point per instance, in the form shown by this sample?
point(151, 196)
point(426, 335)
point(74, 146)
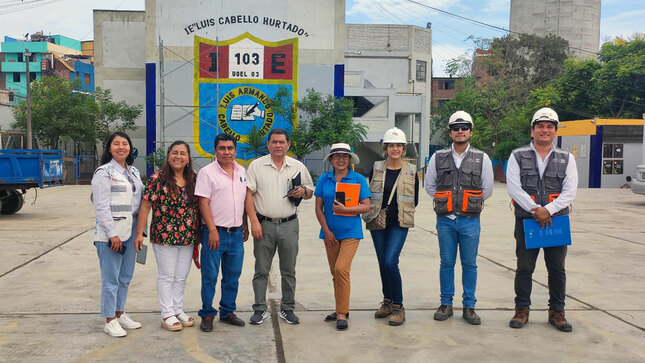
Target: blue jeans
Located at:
point(116, 272)
point(462, 232)
point(388, 244)
point(231, 254)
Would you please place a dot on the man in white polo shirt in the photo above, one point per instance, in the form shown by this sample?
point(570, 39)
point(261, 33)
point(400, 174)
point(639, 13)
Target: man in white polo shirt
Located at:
point(221, 188)
point(274, 222)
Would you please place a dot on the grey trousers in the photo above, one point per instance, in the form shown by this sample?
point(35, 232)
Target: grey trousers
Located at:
point(284, 238)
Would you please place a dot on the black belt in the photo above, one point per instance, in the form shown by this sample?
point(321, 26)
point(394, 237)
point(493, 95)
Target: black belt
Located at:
point(228, 229)
point(276, 220)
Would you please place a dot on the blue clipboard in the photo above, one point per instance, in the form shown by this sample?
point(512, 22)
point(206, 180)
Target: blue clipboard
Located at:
point(559, 234)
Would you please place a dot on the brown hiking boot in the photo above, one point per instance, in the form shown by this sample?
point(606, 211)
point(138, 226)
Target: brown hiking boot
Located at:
point(520, 319)
point(385, 309)
point(557, 319)
point(471, 316)
point(443, 313)
point(398, 315)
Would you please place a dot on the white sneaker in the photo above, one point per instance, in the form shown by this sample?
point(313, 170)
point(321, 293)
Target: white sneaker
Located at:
point(114, 329)
point(128, 323)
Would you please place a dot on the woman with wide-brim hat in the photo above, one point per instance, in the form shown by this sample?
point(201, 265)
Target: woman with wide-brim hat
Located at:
point(395, 188)
point(340, 233)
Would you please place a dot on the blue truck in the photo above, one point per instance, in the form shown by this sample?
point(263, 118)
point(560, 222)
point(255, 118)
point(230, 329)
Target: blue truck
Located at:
point(23, 169)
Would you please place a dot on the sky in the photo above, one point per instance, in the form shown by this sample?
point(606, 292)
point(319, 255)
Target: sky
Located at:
point(73, 18)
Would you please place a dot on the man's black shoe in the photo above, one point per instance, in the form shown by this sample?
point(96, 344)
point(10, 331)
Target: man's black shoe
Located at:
point(232, 319)
point(207, 324)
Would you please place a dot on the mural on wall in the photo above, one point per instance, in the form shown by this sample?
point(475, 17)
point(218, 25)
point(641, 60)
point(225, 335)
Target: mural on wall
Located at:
point(234, 81)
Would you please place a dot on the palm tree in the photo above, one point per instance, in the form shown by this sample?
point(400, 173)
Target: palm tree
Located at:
point(256, 143)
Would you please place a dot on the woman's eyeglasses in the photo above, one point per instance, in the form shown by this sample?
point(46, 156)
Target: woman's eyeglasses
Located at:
point(460, 127)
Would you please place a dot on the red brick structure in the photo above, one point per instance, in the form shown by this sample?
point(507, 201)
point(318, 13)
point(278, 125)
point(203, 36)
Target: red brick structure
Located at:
point(443, 89)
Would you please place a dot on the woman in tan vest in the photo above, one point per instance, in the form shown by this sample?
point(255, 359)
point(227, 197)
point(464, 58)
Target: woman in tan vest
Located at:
point(395, 194)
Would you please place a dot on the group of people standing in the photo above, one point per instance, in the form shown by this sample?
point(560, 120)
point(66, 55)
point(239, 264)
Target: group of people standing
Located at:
point(213, 209)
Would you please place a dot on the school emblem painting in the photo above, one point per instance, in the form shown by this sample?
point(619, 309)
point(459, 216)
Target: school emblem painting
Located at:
point(234, 81)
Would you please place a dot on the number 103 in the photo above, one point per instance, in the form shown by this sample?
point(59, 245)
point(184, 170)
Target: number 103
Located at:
point(246, 58)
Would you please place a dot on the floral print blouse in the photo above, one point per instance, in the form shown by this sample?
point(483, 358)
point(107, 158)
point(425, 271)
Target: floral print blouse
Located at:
point(175, 222)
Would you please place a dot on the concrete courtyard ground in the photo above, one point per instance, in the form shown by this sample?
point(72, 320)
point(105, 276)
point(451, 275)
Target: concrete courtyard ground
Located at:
point(50, 288)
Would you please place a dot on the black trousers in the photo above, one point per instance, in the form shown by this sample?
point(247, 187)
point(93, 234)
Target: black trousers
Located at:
point(553, 257)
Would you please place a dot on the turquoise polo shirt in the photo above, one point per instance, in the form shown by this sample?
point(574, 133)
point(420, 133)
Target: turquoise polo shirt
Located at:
point(342, 226)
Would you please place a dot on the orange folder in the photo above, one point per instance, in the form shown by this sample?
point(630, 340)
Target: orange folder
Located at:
point(352, 193)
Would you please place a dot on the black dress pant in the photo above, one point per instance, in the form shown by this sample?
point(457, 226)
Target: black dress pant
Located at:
point(553, 257)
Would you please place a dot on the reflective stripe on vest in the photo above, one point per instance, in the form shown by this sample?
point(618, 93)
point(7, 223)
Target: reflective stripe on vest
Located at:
point(120, 204)
point(460, 190)
point(542, 189)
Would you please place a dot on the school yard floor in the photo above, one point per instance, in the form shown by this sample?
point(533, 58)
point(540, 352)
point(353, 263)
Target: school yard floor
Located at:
point(50, 288)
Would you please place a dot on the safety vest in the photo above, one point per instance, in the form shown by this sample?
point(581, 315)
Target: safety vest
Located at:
point(404, 193)
point(543, 190)
point(459, 191)
point(120, 204)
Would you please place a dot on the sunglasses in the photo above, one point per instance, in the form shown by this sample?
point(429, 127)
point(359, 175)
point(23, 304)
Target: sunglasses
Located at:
point(460, 127)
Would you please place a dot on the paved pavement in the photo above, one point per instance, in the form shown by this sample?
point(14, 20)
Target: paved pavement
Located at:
point(50, 287)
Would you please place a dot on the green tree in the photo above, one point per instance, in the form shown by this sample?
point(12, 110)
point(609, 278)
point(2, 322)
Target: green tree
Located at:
point(113, 116)
point(462, 65)
point(61, 110)
point(526, 60)
point(256, 144)
point(322, 121)
point(58, 110)
point(613, 85)
point(500, 100)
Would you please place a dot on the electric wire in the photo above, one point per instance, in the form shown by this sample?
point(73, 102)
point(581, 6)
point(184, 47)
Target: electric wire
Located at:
point(38, 3)
point(487, 25)
point(508, 31)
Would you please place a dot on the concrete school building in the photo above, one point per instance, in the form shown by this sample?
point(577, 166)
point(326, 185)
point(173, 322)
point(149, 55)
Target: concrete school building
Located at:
point(202, 68)
point(606, 150)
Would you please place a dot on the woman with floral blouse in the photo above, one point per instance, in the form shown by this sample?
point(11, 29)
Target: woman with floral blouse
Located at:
point(173, 231)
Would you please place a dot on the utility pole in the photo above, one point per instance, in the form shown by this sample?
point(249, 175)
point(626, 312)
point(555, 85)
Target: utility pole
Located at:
point(27, 59)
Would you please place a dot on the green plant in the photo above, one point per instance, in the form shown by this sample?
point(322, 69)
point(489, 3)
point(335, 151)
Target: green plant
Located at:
point(156, 159)
point(256, 144)
point(322, 121)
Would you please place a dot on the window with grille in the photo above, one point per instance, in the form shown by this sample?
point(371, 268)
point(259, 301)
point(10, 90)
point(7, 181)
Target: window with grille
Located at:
point(421, 70)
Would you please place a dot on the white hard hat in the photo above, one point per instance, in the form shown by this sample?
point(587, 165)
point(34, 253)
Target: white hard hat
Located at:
point(545, 114)
point(394, 136)
point(460, 117)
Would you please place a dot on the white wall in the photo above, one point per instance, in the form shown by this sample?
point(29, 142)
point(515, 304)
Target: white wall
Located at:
point(6, 117)
point(119, 56)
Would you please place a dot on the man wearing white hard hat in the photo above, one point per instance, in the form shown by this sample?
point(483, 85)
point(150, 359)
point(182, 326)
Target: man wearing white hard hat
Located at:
point(395, 193)
point(459, 179)
point(542, 181)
